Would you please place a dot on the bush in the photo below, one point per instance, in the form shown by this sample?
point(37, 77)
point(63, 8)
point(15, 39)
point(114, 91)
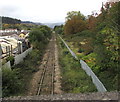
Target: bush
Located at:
point(39, 37)
point(11, 84)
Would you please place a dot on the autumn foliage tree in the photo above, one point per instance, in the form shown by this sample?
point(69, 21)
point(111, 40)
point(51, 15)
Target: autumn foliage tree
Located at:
point(75, 22)
point(91, 22)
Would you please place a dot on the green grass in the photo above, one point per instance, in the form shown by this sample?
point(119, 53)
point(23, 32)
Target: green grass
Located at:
point(86, 53)
point(74, 79)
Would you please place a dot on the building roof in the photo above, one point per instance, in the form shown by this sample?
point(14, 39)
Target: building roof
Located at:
point(22, 35)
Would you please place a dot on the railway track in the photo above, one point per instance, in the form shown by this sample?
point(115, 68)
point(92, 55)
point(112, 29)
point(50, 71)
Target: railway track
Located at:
point(46, 83)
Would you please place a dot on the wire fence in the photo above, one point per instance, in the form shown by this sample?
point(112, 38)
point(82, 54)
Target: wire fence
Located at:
point(100, 87)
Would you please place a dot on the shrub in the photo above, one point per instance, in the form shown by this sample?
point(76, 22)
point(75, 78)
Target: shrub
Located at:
point(11, 84)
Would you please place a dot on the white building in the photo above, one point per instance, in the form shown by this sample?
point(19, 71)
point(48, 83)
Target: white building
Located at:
point(8, 30)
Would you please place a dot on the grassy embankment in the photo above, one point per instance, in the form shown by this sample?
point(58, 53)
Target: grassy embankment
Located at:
point(74, 79)
point(82, 46)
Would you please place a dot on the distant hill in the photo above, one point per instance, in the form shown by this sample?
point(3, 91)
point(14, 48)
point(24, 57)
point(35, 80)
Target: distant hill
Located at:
point(9, 20)
point(29, 22)
point(52, 25)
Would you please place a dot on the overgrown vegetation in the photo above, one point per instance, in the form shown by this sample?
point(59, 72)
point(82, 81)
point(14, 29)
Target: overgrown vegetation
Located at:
point(17, 80)
point(11, 84)
point(98, 44)
point(74, 79)
point(39, 37)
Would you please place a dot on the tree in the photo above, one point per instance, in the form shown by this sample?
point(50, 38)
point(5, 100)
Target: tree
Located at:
point(46, 30)
point(75, 23)
point(107, 39)
point(71, 14)
point(9, 20)
point(91, 23)
point(39, 37)
point(58, 29)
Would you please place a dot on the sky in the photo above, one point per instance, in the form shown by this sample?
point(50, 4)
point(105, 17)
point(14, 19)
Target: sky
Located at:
point(47, 11)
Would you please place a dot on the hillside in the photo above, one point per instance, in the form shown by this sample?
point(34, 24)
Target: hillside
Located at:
point(52, 25)
point(8, 20)
point(29, 22)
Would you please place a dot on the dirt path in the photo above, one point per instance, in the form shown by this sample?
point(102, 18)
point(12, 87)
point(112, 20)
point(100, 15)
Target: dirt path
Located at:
point(50, 62)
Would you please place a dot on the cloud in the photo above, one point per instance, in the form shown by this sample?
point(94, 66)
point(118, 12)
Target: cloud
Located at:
point(8, 10)
point(46, 10)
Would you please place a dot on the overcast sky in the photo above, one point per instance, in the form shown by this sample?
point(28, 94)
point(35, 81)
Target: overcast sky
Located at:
point(46, 11)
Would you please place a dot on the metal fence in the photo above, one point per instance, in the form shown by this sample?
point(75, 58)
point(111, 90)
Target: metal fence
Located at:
point(72, 53)
point(19, 58)
point(100, 87)
point(7, 65)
